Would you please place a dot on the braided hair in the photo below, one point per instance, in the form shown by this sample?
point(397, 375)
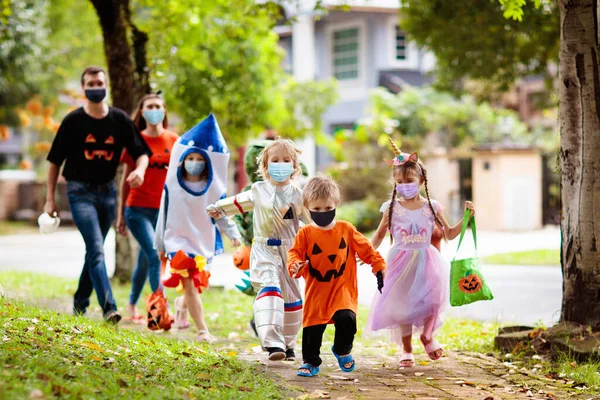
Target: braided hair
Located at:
point(405, 169)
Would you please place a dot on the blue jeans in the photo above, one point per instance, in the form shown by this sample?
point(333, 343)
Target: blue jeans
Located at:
point(142, 223)
point(93, 208)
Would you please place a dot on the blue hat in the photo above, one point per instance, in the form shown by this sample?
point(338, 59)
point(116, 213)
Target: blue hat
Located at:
point(206, 135)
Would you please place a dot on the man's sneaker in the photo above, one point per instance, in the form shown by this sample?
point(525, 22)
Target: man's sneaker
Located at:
point(112, 317)
point(276, 354)
point(253, 326)
point(290, 355)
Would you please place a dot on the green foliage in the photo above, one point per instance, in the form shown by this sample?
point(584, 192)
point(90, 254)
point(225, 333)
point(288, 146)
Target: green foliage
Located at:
point(301, 106)
point(476, 41)
point(218, 56)
point(23, 40)
point(460, 122)
point(363, 214)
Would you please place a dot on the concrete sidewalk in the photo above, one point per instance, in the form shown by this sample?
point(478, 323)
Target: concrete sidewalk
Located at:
point(522, 294)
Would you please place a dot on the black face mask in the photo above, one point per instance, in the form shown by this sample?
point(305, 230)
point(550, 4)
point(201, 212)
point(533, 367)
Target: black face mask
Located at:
point(95, 95)
point(323, 218)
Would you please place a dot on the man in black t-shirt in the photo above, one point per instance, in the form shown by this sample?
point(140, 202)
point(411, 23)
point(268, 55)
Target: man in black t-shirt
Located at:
point(89, 142)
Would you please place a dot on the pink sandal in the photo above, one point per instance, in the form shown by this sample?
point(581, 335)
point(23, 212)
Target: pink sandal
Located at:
point(431, 348)
point(408, 359)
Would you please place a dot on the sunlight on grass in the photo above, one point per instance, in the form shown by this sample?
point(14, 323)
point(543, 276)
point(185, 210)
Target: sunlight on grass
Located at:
point(533, 257)
point(16, 227)
point(58, 355)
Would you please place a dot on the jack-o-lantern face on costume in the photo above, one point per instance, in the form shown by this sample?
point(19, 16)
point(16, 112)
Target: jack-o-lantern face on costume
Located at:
point(325, 254)
point(96, 152)
point(470, 283)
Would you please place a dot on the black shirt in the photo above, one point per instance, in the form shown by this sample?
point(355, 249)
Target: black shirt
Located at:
point(92, 147)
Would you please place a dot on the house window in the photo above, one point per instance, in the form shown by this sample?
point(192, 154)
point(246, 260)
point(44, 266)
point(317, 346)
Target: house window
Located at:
point(345, 54)
point(286, 44)
point(400, 44)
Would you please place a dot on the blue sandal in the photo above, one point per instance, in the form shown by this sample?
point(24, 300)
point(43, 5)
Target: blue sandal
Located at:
point(344, 360)
point(313, 370)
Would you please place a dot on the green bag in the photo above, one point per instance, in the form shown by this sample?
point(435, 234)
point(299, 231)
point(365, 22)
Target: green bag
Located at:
point(466, 281)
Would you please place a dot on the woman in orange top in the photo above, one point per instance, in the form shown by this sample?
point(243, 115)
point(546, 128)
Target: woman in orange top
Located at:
point(324, 253)
point(138, 208)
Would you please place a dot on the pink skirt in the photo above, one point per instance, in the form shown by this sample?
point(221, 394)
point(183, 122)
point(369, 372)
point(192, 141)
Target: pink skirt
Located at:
point(416, 289)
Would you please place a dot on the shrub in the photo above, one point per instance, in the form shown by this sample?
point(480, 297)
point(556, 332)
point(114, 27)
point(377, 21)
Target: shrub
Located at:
point(363, 214)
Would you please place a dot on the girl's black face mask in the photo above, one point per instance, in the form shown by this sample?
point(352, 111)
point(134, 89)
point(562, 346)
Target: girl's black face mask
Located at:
point(323, 218)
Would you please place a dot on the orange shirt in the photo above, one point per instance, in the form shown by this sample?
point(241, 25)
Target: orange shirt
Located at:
point(330, 275)
point(149, 194)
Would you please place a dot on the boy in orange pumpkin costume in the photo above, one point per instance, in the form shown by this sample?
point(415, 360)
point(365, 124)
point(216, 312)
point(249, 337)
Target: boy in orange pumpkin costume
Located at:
point(324, 253)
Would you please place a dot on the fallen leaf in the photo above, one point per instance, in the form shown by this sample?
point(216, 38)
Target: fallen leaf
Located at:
point(43, 377)
point(232, 354)
point(569, 383)
point(529, 394)
point(356, 380)
point(92, 346)
point(423, 363)
point(574, 364)
point(185, 353)
point(58, 390)
point(341, 378)
point(96, 358)
point(419, 373)
point(36, 394)
point(489, 398)
point(244, 389)
point(122, 383)
point(227, 385)
point(257, 350)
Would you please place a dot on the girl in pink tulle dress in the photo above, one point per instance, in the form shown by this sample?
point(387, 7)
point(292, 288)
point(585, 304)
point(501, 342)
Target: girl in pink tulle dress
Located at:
point(415, 290)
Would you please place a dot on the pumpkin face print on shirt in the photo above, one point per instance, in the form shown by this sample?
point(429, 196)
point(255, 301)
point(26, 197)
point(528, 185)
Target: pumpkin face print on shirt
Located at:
point(327, 254)
point(160, 160)
point(94, 149)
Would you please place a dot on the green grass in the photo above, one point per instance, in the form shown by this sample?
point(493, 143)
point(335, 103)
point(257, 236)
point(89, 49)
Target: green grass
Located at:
point(16, 228)
point(533, 257)
point(74, 357)
point(55, 361)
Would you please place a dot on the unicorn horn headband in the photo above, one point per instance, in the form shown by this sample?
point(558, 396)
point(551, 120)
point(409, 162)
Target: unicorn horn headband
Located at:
point(400, 157)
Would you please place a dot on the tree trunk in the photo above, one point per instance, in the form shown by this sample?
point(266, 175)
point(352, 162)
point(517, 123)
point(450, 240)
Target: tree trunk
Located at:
point(580, 159)
point(123, 89)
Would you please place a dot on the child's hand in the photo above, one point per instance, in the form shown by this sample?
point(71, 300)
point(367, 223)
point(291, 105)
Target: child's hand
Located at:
point(470, 206)
point(214, 212)
point(236, 242)
point(161, 255)
point(297, 267)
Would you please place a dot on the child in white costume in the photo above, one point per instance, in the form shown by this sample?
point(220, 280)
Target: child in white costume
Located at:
point(278, 210)
point(197, 177)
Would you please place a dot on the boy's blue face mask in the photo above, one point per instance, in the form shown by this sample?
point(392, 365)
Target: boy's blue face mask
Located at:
point(281, 171)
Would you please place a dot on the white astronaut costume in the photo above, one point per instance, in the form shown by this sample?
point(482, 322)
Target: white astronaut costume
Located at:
point(183, 223)
point(278, 211)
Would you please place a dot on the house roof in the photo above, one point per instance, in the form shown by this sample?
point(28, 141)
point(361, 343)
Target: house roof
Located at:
point(394, 80)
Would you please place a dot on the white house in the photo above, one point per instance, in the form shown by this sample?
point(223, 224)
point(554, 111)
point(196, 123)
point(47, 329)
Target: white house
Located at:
point(363, 47)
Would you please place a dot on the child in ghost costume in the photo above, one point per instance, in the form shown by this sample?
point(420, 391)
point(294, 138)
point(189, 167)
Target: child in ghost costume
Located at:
point(197, 177)
point(278, 210)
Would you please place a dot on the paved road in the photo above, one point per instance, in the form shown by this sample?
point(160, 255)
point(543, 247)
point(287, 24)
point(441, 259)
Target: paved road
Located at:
point(523, 294)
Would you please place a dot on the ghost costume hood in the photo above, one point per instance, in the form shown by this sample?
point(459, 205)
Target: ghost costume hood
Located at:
point(183, 224)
